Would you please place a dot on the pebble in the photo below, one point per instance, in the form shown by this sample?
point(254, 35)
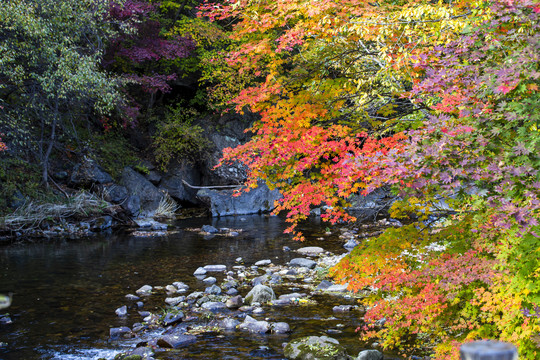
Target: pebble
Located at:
point(263, 262)
point(210, 280)
point(144, 290)
point(215, 268)
point(200, 271)
point(132, 297)
point(121, 311)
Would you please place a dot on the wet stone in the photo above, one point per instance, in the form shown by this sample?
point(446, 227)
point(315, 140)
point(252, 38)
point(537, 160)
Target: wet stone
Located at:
point(229, 323)
point(132, 297)
point(215, 268)
point(209, 229)
point(324, 285)
point(263, 262)
point(119, 332)
point(121, 311)
point(176, 341)
point(173, 318)
point(210, 280)
point(310, 250)
point(254, 326)
point(280, 328)
point(144, 290)
point(337, 288)
point(214, 306)
point(301, 262)
point(342, 308)
point(174, 300)
point(200, 271)
point(180, 286)
point(234, 302)
point(370, 355)
point(232, 292)
point(213, 290)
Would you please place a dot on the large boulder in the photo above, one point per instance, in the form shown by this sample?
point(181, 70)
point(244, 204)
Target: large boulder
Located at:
point(87, 173)
point(173, 182)
point(260, 294)
point(138, 185)
point(223, 203)
point(114, 193)
point(315, 348)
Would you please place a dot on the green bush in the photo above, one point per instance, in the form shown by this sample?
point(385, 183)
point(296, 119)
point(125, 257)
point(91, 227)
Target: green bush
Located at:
point(178, 137)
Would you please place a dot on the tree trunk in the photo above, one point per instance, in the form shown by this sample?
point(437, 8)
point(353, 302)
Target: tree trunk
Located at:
point(45, 161)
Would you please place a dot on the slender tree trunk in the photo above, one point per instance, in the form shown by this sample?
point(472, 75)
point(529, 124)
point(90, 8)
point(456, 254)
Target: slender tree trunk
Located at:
point(45, 162)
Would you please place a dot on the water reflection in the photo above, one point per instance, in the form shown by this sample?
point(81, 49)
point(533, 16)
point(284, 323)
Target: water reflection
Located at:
point(65, 292)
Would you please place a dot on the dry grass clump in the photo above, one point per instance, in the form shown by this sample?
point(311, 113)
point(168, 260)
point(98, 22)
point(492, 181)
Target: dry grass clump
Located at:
point(167, 207)
point(31, 215)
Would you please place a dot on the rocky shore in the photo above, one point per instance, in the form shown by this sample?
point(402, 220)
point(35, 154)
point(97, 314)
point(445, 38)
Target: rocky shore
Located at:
point(240, 299)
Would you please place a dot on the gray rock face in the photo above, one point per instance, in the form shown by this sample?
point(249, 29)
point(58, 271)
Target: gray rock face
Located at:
point(87, 173)
point(370, 355)
point(315, 348)
point(115, 193)
point(376, 202)
point(301, 262)
point(254, 326)
point(223, 203)
point(260, 294)
point(176, 341)
point(132, 205)
point(137, 184)
point(172, 182)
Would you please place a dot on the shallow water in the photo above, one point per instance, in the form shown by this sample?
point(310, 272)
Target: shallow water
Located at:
point(66, 291)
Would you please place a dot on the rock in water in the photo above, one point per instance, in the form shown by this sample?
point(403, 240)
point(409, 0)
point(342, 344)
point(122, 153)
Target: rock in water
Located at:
point(315, 348)
point(260, 294)
point(369, 355)
point(176, 341)
point(310, 250)
point(121, 311)
point(300, 262)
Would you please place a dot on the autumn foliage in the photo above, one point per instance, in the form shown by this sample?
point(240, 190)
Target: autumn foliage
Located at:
point(440, 100)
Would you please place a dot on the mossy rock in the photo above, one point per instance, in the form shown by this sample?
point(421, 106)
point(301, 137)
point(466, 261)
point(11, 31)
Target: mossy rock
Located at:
point(315, 348)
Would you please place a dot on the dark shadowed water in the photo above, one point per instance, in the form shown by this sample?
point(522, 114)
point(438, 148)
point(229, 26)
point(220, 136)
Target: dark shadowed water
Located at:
point(66, 291)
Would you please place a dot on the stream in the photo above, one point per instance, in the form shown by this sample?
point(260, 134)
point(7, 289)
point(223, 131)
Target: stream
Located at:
point(66, 291)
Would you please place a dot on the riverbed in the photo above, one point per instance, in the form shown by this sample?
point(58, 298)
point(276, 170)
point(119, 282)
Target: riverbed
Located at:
point(66, 291)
